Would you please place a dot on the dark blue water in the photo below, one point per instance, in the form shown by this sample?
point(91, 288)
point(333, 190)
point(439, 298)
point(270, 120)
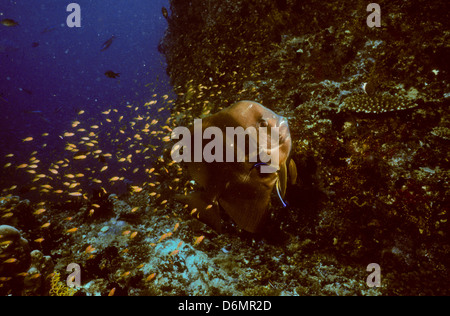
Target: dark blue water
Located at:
point(50, 72)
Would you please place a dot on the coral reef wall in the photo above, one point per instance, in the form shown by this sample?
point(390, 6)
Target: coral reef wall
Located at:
point(368, 111)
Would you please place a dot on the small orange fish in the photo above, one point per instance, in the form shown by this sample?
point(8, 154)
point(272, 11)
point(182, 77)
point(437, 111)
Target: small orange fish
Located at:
point(150, 277)
point(134, 209)
point(34, 276)
point(174, 253)
point(164, 236)
point(111, 293)
point(39, 240)
point(126, 232)
point(39, 211)
point(176, 227)
point(46, 225)
point(5, 279)
point(133, 235)
point(71, 230)
point(10, 260)
point(89, 249)
point(198, 240)
point(136, 189)
point(180, 244)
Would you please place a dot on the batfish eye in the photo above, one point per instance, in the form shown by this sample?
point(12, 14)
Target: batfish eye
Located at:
point(263, 122)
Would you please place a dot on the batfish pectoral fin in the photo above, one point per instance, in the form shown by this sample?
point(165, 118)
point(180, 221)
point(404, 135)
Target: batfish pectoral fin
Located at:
point(282, 180)
point(207, 210)
point(292, 171)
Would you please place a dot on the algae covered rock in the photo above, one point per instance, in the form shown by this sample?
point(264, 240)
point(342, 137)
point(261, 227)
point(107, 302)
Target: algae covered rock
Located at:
point(367, 111)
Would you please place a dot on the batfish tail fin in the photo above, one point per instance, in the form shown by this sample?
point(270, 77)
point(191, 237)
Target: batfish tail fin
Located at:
point(284, 173)
point(206, 209)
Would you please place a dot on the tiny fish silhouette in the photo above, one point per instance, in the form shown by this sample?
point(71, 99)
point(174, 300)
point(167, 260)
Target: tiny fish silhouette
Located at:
point(164, 12)
point(48, 29)
point(112, 74)
point(9, 22)
point(108, 43)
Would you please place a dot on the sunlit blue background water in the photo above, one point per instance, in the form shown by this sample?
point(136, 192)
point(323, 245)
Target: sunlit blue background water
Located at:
point(44, 85)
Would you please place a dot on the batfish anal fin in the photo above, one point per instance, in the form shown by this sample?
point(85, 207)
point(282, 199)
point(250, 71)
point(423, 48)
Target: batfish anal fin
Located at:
point(248, 213)
point(207, 209)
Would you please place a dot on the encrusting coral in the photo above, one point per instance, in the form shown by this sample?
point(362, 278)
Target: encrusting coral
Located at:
point(376, 104)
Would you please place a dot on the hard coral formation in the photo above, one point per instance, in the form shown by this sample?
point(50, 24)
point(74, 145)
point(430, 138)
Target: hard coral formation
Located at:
point(59, 288)
point(14, 251)
point(22, 272)
point(377, 104)
point(37, 280)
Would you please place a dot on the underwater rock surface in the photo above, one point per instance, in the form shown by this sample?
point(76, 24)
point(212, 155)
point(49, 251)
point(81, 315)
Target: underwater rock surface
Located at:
point(373, 179)
point(368, 111)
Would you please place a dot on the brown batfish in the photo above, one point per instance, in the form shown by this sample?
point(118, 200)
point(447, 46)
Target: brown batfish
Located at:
point(235, 178)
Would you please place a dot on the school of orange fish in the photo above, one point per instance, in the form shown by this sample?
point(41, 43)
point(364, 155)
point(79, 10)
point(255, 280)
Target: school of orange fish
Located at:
point(140, 132)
